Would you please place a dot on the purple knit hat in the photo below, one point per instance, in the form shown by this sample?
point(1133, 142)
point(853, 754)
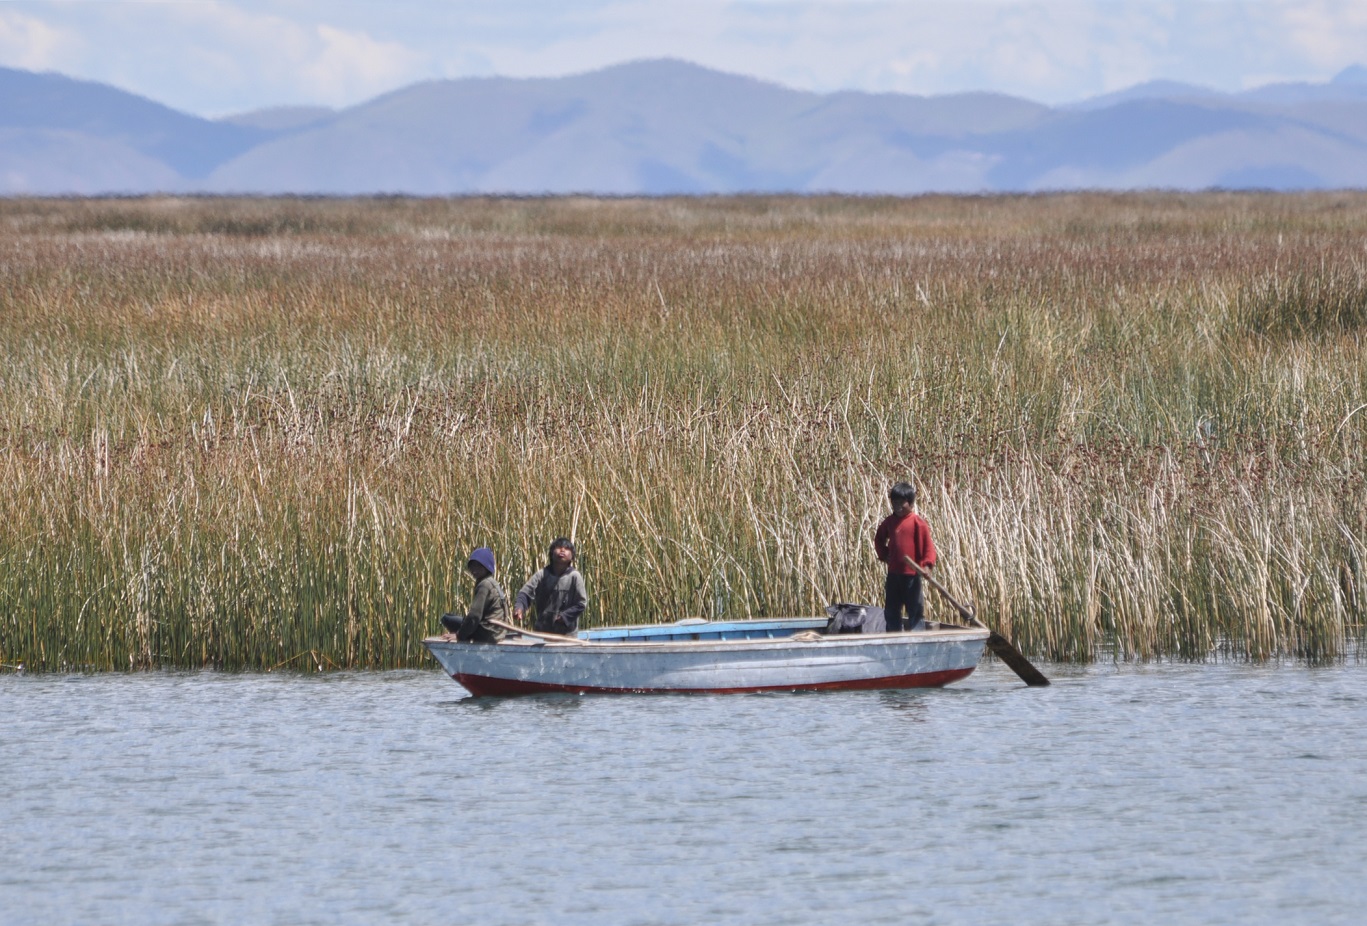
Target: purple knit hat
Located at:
point(484, 556)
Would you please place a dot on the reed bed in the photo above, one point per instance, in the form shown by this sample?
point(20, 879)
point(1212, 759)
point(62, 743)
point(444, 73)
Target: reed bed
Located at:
point(263, 433)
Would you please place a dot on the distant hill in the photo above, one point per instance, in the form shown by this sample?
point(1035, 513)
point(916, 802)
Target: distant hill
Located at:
point(64, 135)
point(1150, 90)
point(282, 118)
point(655, 127)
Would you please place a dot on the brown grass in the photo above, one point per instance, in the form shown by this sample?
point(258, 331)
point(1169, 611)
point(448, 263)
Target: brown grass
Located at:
point(251, 433)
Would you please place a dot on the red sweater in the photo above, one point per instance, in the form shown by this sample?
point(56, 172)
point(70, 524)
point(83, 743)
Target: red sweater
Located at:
point(908, 536)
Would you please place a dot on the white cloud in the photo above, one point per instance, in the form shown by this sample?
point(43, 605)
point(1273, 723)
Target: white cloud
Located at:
point(352, 64)
point(216, 56)
point(210, 57)
point(1052, 50)
point(32, 44)
point(309, 61)
point(1330, 35)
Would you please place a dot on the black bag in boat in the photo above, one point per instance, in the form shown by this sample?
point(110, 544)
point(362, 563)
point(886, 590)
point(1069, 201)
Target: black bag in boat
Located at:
point(855, 618)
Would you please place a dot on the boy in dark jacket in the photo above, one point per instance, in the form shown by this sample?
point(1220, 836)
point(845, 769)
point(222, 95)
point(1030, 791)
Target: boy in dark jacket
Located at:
point(557, 591)
point(904, 533)
point(488, 603)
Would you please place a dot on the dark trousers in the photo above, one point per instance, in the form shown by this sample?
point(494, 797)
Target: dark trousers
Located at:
point(899, 593)
point(467, 630)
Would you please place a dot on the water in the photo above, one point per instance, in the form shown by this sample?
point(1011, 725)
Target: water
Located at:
point(1187, 794)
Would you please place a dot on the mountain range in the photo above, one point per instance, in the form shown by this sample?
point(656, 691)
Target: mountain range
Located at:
point(667, 126)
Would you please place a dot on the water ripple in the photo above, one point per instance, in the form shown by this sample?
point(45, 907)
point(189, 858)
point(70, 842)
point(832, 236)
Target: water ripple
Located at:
point(1200, 794)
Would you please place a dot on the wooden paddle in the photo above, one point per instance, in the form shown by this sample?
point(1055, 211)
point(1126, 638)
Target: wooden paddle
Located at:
point(548, 637)
point(1000, 646)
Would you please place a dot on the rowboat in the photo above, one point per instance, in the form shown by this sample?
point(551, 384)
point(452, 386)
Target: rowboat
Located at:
point(701, 656)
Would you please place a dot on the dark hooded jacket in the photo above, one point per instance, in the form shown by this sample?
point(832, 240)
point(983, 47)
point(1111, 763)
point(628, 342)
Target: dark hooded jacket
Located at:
point(560, 599)
point(489, 603)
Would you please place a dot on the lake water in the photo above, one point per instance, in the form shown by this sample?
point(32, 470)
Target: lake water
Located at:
point(1161, 794)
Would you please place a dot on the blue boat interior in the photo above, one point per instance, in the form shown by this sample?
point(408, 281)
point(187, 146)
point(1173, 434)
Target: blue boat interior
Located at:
point(698, 629)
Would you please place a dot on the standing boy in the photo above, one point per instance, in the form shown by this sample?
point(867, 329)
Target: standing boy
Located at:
point(557, 592)
point(904, 533)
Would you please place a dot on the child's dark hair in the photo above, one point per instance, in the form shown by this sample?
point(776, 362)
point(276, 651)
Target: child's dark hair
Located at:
point(902, 492)
point(558, 543)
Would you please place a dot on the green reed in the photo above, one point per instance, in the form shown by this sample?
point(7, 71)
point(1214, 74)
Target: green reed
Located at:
point(264, 433)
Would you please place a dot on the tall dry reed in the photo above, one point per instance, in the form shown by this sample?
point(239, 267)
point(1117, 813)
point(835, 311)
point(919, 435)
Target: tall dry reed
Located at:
point(262, 433)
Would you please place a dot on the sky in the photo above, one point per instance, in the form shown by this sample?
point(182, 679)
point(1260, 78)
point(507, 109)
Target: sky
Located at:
point(216, 57)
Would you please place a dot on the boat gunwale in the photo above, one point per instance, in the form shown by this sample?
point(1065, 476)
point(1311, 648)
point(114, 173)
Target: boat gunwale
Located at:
point(605, 647)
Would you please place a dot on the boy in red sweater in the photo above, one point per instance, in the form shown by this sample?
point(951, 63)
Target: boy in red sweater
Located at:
point(904, 533)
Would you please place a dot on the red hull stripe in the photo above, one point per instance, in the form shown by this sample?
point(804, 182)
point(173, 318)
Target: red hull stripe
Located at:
point(480, 685)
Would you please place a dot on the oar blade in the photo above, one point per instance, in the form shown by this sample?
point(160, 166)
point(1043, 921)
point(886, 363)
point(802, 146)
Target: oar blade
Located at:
point(1003, 650)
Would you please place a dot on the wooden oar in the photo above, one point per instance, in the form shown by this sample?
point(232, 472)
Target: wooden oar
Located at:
point(1000, 646)
point(548, 637)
